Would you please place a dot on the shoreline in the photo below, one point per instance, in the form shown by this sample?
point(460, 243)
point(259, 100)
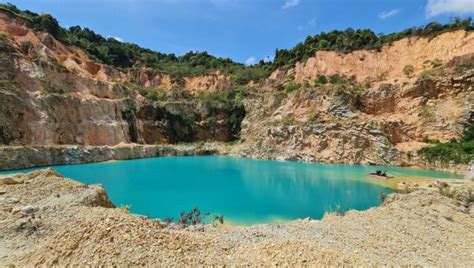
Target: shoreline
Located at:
point(49, 220)
point(24, 157)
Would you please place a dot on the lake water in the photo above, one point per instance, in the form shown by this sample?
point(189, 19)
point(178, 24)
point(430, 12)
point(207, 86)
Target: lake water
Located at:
point(245, 191)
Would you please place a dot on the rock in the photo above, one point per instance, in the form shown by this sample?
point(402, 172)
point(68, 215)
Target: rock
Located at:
point(470, 174)
point(11, 180)
point(8, 201)
point(3, 190)
point(28, 209)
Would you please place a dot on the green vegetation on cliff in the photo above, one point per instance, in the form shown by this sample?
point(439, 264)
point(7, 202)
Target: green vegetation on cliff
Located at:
point(126, 55)
point(459, 151)
point(350, 40)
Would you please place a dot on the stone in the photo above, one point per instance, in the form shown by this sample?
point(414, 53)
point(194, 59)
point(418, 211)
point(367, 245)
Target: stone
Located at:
point(470, 174)
point(28, 209)
point(11, 180)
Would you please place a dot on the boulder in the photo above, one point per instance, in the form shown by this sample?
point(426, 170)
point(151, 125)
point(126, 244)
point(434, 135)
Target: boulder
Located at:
point(28, 209)
point(11, 180)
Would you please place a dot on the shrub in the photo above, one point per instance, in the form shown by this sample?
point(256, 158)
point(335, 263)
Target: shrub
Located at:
point(408, 70)
point(313, 118)
point(321, 80)
point(194, 217)
point(338, 210)
point(426, 74)
point(350, 40)
point(290, 87)
point(436, 63)
point(9, 85)
point(382, 77)
point(151, 95)
point(337, 80)
point(125, 207)
point(459, 152)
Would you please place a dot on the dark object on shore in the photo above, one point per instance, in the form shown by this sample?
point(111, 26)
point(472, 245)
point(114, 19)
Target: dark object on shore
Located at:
point(379, 174)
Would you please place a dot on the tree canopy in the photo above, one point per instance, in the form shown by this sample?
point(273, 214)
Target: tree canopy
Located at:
point(126, 55)
point(350, 40)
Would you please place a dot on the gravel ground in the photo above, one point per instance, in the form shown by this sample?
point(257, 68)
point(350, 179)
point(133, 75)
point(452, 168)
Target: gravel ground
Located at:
point(49, 220)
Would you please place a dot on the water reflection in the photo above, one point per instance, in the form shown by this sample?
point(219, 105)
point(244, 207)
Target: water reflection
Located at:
point(246, 191)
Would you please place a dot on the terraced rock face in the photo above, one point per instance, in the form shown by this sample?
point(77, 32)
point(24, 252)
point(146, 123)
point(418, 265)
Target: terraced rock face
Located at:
point(385, 122)
point(375, 111)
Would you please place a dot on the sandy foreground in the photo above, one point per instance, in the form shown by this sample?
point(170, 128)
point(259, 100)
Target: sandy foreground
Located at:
point(50, 220)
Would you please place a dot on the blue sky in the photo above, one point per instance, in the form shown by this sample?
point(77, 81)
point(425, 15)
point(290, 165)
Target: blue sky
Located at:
point(240, 29)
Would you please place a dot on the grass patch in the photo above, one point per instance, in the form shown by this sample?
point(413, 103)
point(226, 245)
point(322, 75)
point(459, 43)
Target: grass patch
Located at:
point(9, 85)
point(292, 87)
point(457, 151)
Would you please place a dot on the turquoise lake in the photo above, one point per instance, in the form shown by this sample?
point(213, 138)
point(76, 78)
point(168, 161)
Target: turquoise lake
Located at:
point(245, 191)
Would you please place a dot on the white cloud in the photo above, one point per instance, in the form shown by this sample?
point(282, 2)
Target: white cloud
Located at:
point(251, 61)
point(300, 28)
point(438, 7)
point(312, 22)
point(390, 13)
point(290, 3)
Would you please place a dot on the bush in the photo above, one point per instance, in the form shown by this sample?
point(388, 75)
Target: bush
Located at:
point(194, 217)
point(459, 151)
point(337, 80)
point(313, 118)
point(151, 95)
point(194, 63)
point(408, 70)
point(436, 63)
point(9, 86)
point(290, 87)
point(321, 80)
point(350, 40)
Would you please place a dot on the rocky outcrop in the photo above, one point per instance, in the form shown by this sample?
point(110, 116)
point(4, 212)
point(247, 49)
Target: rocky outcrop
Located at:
point(39, 119)
point(51, 94)
point(19, 157)
point(385, 124)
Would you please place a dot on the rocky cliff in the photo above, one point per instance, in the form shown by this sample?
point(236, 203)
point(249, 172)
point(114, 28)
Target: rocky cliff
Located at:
point(366, 106)
point(53, 94)
point(384, 122)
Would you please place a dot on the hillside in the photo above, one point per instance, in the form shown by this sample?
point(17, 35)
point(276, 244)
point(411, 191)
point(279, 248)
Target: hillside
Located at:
point(375, 104)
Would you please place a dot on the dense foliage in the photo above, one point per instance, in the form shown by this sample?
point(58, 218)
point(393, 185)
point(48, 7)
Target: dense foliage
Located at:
point(350, 40)
point(459, 151)
point(126, 55)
